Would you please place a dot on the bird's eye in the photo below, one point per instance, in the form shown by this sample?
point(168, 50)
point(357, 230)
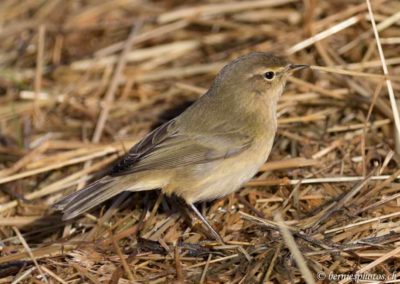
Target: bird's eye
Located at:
point(269, 75)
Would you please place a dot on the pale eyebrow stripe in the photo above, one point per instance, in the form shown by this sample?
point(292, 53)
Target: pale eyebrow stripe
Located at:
point(262, 70)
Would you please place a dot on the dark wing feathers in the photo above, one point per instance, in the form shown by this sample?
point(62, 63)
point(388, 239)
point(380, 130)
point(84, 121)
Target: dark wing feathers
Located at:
point(166, 147)
point(145, 146)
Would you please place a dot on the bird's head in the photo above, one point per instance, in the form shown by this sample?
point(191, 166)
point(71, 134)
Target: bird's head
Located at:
point(257, 74)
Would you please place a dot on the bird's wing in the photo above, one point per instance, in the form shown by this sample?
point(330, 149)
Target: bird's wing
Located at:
point(169, 147)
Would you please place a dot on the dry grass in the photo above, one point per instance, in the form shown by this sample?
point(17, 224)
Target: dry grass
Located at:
point(82, 81)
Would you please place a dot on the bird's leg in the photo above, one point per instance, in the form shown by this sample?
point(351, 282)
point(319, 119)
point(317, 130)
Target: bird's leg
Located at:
point(205, 222)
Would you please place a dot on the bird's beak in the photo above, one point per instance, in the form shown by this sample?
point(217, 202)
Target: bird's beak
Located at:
point(294, 67)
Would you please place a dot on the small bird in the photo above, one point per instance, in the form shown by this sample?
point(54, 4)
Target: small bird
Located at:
point(210, 149)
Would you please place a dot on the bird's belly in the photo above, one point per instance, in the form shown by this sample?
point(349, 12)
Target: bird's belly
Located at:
point(228, 181)
point(219, 178)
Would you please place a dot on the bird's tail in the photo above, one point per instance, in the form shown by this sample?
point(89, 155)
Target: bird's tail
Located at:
point(83, 200)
